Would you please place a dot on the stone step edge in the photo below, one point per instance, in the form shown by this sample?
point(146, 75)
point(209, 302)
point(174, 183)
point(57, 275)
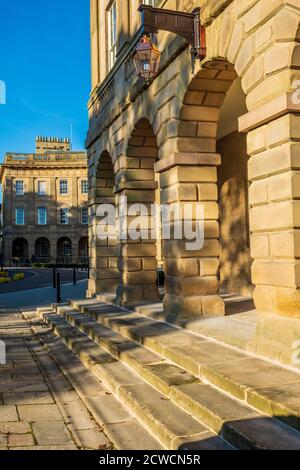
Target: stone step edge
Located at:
point(253, 398)
point(126, 397)
point(204, 415)
point(85, 399)
point(139, 368)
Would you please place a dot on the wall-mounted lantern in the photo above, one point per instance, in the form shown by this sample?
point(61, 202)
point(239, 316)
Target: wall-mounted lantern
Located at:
point(146, 59)
point(186, 25)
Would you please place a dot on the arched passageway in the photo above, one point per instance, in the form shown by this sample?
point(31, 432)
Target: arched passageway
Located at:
point(83, 250)
point(136, 184)
point(64, 250)
point(42, 250)
point(103, 246)
point(20, 249)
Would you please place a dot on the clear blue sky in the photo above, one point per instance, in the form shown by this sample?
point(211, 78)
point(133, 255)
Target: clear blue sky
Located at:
point(45, 62)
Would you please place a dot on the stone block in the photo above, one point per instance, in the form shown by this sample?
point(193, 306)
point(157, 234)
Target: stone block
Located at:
point(276, 160)
point(245, 56)
point(277, 57)
point(213, 306)
point(235, 41)
point(285, 244)
point(259, 13)
point(260, 246)
point(182, 267)
point(192, 286)
point(200, 113)
point(209, 267)
point(278, 274)
point(258, 192)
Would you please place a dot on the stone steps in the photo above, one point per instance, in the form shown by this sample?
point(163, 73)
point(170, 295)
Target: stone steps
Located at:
point(121, 427)
point(236, 422)
point(265, 386)
point(171, 426)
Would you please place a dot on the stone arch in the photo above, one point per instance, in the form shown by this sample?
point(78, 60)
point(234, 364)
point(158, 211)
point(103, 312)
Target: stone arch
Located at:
point(64, 250)
point(20, 249)
point(83, 249)
point(136, 182)
point(103, 248)
point(267, 70)
point(42, 249)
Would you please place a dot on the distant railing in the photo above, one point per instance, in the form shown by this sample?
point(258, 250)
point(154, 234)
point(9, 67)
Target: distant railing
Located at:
point(20, 157)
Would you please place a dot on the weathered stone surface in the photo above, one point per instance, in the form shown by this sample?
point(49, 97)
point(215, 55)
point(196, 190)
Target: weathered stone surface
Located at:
point(236, 377)
point(8, 413)
point(27, 398)
point(131, 436)
point(92, 439)
point(159, 414)
point(51, 433)
point(164, 376)
point(35, 413)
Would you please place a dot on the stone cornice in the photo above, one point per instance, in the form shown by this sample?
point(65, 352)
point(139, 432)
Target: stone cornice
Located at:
point(268, 112)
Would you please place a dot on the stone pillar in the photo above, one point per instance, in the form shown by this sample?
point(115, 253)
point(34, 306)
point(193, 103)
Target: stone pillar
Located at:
point(274, 173)
point(192, 282)
point(103, 253)
point(138, 260)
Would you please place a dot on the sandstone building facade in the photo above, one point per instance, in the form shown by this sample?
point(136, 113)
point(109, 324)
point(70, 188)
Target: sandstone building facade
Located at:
point(45, 196)
point(225, 134)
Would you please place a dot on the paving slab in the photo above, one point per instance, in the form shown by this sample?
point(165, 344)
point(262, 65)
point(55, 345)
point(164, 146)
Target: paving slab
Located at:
point(27, 398)
point(24, 440)
point(93, 439)
point(36, 413)
point(8, 413)
point(51, 433)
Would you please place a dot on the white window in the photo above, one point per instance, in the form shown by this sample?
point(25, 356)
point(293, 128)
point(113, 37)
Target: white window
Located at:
point(84, 187)
point(20, 188)
point(42, 216)
point(84, 216)
point(64, 216)
point(20, 216)
point(42, 188)
point(112, 34)
point(63, 187)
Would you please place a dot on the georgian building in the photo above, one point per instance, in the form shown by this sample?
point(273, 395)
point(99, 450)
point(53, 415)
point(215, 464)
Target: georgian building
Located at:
point(45, 196)
point(224, 132)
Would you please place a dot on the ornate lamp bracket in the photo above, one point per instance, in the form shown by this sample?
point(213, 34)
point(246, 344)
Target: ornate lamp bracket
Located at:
point(186, 25)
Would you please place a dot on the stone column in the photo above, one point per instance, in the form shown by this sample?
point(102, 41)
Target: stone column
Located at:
point(274, 173)
point(192, 282)
point(138, 258)
point(103, 253)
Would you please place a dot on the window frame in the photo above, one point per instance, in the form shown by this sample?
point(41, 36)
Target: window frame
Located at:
point(44, 193)
point(112, 33)
point(45, 214)
point(16, 187)
point(85, 185)
point(84, 210)
point(17, 217)
point(63, 192)
point(67, 215)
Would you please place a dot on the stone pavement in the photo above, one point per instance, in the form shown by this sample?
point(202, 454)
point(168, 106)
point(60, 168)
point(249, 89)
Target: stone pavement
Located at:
point(34, 298)
point(40, 410)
